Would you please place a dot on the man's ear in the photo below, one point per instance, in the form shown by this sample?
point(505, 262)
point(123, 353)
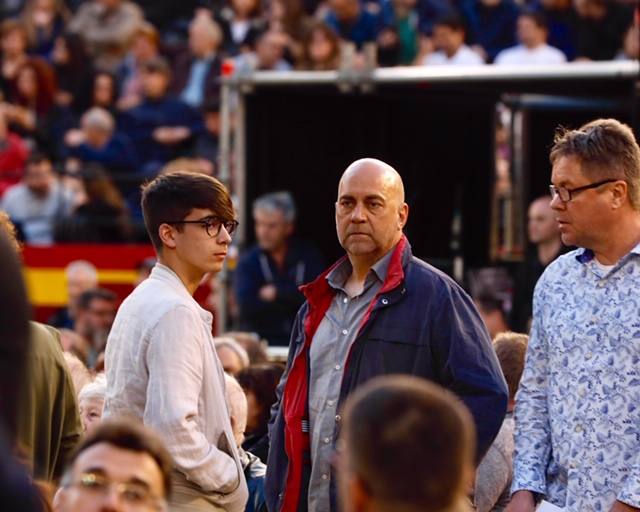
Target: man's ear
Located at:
point(619, 192)
point(360, 497)
point(166, 234)
point(403, 215)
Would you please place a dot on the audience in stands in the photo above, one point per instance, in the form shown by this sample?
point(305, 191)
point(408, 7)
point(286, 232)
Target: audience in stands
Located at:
point(91, 402)
point(448, 41)
point(37, 202)
point(533, 49)
point(233, 357)
point(320, 49)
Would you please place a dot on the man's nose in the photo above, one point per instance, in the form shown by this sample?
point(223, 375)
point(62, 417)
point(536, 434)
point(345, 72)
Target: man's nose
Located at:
point(557, 203)
point(358, 214)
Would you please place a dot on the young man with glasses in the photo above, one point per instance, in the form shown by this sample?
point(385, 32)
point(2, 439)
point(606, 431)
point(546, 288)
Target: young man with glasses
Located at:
point(161, 363)
point(578, 408)
point(121, 466)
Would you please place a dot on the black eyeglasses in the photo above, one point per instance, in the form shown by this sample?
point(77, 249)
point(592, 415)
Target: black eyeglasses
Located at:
point(566, 194)
point(212, 225)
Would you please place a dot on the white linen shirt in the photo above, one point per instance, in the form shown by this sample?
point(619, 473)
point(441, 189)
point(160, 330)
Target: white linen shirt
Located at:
point(162, 368)
point(577, 436)
point(465, 56)
point(522, 56)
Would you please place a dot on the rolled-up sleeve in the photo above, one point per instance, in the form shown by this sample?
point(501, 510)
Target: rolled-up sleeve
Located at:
point(175, 365)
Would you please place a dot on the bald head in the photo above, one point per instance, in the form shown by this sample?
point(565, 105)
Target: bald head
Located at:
point(387, 176)
point(370, 211)
point(542, 226)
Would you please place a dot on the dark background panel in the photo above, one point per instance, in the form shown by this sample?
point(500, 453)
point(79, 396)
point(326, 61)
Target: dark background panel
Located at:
point(441, 143)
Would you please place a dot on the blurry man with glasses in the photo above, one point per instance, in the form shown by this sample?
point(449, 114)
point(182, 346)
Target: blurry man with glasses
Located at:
point(122, 467)
point(160, 358)
point(578, 408)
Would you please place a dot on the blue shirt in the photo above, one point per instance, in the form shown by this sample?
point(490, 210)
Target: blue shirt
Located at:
point(193, 93)
point(578, 407)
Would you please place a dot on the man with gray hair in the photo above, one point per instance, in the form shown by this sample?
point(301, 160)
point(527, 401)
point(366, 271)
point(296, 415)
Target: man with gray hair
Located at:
point(96, 141)
point(269, 274)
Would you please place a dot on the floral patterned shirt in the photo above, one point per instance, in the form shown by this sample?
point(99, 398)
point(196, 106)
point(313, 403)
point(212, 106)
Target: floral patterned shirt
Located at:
point(577, 438)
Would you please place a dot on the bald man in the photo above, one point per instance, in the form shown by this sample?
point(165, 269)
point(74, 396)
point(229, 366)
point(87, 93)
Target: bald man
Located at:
point(377, 311)
point(546, 246)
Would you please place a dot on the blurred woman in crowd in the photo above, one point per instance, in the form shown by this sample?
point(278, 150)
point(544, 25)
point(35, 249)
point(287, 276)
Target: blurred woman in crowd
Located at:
point(289, 18)
point(259, 383)
point(44, 21)
point(14, 41)
point(74, 71)
point(321, 49)
point(241, 23)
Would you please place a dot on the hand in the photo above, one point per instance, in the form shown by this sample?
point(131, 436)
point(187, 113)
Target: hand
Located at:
point(618, 506)
point(521, 501)
point(268, 293)
point(74, 138)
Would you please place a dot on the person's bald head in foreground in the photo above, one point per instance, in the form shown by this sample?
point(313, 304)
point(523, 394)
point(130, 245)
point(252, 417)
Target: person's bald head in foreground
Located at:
point(406, 445)
point(370, 210)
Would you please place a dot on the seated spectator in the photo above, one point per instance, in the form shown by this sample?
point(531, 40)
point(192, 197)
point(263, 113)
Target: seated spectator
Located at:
point(494, 474)
point(13, 155)
point(121, 463)
point(45, 21)
point(100, 216)
point(97, 142)
point(91, 402)
point(406, 444)
point(268, 275)
point(143, 270)
point(80, 374)
point(320, 49)
point(30, 112)
point(14, 41)
point(352, 22)
point(106, 26)
point(631, 44)
point(259, 383)
point(233, 357)
point(562, 20)
point(38, 202)
point(268, 55)
point(448, 40)
point(241, 23)
point(197, 70)
point(94, 318)
point(600, 28)
point(288, 18)
point(254, 469)
point(104, 92)
point(491, 25)
point(533, 49)
point(74, 72)
point(144, 46)
point(251, 342)
point(161, 127)
point(398, 40)
point(80, 276)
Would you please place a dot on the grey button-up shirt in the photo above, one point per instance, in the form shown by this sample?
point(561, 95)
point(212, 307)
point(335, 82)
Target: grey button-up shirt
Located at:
point(328, 354)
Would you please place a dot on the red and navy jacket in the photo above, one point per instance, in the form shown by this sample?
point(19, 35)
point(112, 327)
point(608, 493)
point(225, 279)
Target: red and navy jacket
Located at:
point(420, 323)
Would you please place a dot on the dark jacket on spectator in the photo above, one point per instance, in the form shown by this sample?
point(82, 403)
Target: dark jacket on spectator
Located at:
point(562, 24)
point(231, 47)
point(362, 30)
point(601, 39)
point(140, 122)
point(182, 72)
point(420, 323)
point(273, 320)
point(493, 28)
point(118, 156)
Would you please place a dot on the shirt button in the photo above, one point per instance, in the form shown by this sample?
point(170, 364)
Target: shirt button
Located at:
point(385, 301)
point(338, 418)
point(345, 300)
point(330, 403)
point(588, 355)
point(324, 476)
point(337, 367)
point(344, 331)
point(578, 428)
point(326, 440)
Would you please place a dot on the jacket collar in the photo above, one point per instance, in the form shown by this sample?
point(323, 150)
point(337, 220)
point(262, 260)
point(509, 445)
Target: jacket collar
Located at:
point(318, 288)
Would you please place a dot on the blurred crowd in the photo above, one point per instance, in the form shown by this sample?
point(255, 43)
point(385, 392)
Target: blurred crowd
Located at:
point(98, 96)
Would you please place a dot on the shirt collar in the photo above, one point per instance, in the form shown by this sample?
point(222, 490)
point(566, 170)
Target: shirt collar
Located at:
point(339, 275)
point(165, 274)
point(586, 255)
